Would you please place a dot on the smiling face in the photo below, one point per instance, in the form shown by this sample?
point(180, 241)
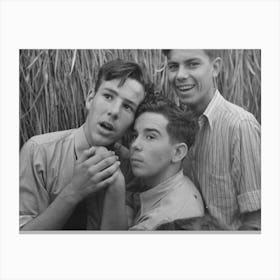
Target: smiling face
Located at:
point(191, 73)
point(151, 151)
point(111, 111)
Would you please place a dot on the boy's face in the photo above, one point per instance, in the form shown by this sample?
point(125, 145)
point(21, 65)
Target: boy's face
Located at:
point(191, 74)
point(151, 149)
point(111, 111)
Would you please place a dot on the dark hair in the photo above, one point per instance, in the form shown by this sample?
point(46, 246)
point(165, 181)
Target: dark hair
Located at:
point(182, 126)
point(211, 53)
point(120, 69)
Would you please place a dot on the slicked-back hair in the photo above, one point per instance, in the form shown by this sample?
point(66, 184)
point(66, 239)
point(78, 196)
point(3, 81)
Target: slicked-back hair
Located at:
point(120, 69)
point(211, 53)
point(182, 126)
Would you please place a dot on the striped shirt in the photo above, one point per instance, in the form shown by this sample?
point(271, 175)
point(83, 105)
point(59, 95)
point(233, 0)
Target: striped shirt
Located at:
point(226, 161)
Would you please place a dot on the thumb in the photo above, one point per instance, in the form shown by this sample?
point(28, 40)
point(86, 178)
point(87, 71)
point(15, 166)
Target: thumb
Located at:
point(121, 150)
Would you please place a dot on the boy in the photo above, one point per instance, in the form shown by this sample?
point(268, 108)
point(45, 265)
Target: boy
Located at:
point(161, 193)
point(225, 158)
point(61, 169)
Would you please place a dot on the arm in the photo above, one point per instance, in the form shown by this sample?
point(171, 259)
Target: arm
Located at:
point(246, 169)
point(55, 216)
point(114, 210)
point(92, 173)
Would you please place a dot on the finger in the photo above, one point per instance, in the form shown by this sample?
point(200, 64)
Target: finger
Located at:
point(96, 158)
point(106, 173)
point(122, 150)
point(100, 150)
point(86, 154)
point(106, 183)
point(105, 163)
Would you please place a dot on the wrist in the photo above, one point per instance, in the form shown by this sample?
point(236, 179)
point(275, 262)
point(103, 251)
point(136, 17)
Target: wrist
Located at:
point(116, 189)
point(70, 196)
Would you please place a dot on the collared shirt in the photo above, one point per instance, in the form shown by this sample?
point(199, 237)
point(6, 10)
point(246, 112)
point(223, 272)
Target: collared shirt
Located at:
point(175, 198)
point(226, 161)
point(46, 167)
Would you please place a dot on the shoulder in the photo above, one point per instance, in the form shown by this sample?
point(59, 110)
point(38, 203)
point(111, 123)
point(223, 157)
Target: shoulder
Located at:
point(52, 137)
point(235, 113)
point(230, 118)
point(188, 188)
point(47, 144)
point(183, 201)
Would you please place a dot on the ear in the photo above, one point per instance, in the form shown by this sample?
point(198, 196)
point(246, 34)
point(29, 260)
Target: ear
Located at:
point(89, 98)
point(217, 66)
point(179, 152)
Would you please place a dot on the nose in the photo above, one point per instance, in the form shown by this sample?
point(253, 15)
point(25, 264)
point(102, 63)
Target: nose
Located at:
point(136, 145)
point(114, 109)
point(183, 73)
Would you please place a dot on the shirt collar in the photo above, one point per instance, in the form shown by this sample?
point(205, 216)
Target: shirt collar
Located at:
point(81, 143)
point(150, 197)
point(210, 111)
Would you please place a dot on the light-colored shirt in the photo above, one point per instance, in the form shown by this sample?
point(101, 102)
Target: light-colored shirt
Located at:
point(226, 161)
point(175, 198)
point(46, 167)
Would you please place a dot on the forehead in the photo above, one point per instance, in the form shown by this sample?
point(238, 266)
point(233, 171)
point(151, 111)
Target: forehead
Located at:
point(130, 89)
point(179, 55)
point(150, 120)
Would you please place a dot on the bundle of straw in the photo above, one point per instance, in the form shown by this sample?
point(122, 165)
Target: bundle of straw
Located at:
point(54, 83)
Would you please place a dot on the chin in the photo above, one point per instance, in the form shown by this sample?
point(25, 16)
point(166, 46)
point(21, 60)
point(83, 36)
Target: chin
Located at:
point(138, 173)
point(102, 141)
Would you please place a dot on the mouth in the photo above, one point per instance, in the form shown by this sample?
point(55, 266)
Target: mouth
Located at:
point(135, 160)
point(107, 126)
point(185, 88)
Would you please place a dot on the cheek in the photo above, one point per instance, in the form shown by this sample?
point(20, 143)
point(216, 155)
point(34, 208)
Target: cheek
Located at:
point(158, 157)
point(171, 77)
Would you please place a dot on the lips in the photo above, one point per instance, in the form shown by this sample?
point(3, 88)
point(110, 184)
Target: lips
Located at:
point(135, 159)
point(186, 87)
point(107, 126)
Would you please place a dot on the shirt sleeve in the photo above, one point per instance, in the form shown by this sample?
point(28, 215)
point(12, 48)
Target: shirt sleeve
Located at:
point(33, 196)
point(246, 167)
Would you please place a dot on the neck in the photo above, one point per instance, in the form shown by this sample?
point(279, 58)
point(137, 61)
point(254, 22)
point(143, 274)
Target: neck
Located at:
point(162, 176)
point(201, 107)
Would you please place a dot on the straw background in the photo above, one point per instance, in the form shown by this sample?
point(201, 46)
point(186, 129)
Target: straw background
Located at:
point(54, 83)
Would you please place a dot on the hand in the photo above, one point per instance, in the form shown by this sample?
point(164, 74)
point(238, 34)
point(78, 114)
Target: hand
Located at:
point(118, 183)
point(121, 150)
point(95, 170)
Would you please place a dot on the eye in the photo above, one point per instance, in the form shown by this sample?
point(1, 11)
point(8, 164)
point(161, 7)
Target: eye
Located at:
point(150, 137)
point(194, 64)
point(108, 96)
point(128, 108)
point(172, 67)
point(133, 137)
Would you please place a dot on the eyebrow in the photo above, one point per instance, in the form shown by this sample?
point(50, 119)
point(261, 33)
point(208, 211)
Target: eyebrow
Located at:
point(147, 130)
point(125, 99)
point(152, 130)
point(186, 60)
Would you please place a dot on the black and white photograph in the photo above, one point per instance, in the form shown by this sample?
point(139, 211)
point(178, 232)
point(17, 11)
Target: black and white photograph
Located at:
point(145, 139)
point(139, 140)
